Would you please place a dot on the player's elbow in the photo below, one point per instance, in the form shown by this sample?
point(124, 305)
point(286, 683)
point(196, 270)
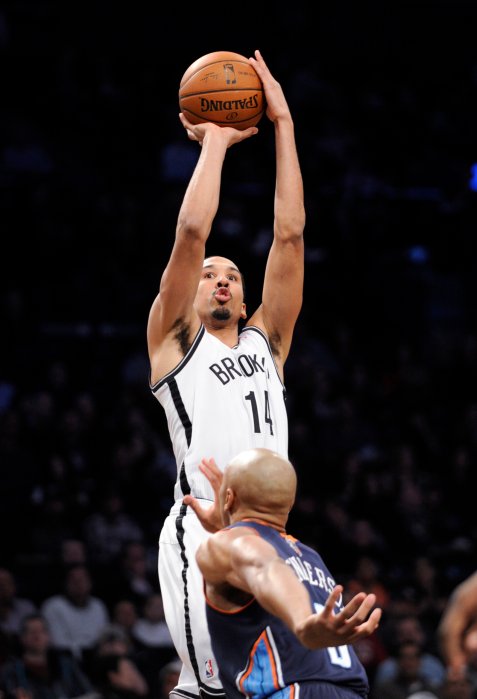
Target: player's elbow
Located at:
point(290, 229)
point(192, 228)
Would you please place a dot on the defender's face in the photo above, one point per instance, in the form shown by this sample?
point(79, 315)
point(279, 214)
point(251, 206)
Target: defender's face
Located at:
point(219, 296)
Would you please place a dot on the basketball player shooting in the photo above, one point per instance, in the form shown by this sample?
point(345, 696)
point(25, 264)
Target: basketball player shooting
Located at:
point(222, 389)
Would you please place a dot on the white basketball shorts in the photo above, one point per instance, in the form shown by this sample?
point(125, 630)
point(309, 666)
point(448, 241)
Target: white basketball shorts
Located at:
point(184, 603)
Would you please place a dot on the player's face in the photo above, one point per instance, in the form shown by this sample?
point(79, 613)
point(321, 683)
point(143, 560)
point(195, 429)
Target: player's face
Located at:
point(220, 293)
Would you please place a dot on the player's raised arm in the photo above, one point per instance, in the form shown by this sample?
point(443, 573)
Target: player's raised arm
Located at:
point(172, 321)
point(283, 284)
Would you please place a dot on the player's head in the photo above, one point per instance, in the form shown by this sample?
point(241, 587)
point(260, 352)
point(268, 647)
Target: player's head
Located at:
point(258, 483)
point(220, 294)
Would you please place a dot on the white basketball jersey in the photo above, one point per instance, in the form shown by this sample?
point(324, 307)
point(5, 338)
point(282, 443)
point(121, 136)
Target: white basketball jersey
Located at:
point(219, 401)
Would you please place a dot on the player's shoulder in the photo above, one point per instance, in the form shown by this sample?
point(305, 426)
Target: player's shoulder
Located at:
point(254, 333)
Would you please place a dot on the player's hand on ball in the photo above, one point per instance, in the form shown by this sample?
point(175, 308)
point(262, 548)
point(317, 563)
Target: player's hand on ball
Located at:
point(197, 132)
point(277, 106)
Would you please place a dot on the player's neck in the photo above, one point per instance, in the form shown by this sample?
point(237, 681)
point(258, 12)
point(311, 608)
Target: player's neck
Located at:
point(227, 335)
point(265, 522)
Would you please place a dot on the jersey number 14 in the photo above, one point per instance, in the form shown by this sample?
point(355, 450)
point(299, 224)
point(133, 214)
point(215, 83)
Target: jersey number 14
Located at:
point(256, 419)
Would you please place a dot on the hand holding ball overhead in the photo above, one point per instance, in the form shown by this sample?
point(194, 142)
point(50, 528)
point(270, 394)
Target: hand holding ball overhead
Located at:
point(224, 88)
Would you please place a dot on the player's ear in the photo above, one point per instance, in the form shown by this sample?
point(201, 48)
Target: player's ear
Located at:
point(243, 312)
point(229, 499)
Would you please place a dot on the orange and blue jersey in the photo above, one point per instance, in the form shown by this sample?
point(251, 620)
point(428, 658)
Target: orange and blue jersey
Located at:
point(259, 657)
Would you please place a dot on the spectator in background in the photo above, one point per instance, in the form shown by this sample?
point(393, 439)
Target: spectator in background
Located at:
point(366, 578)
point(73, 551)
point(134, 580)
point(109, 529)
point(407, 679)
point(409, 629)
point(428, 592)
point(6, 649)
point(168, 678)
point(40, 672)
point(13, 609)
point(113, 669)
point(124, 614)
point(151, 629)
point(153, 639)
point(69, 552)
point(371, 651)
point(75, 617)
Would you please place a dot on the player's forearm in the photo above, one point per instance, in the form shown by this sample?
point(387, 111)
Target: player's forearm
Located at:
point(289, 195)
point(201, 199)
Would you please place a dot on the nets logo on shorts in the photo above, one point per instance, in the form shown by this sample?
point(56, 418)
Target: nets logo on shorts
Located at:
point(209, 669)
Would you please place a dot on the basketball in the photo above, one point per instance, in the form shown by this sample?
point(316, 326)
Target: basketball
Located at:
point(222, 87)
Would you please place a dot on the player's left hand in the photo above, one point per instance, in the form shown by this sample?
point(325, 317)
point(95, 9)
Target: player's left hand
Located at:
point(210, 517)
point(354, 621)
point(277, 106)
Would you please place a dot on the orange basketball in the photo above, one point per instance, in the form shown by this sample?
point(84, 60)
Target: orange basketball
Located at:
point(224, 88)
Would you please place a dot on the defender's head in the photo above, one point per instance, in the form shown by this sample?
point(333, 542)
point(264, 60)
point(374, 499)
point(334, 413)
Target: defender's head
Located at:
point(258, 483)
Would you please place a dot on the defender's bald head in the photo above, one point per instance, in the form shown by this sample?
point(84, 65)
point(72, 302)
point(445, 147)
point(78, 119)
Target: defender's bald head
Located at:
point(264, 484)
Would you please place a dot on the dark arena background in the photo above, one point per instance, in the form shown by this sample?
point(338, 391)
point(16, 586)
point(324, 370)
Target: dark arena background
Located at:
point(382, 374)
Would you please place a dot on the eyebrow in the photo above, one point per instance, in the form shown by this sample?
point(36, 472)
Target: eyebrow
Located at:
point(231, 269)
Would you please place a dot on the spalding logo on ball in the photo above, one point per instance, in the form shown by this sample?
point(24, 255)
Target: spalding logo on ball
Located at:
point(224, 88)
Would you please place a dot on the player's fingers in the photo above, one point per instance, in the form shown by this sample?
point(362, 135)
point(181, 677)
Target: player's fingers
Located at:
point(260, 65)
point(333, 598)
point(259, 56)
point(208, 466)
point(364, 609)
point(191, 502)
point(368, 627)
point(360, 617)
point(213, 466)
point(185, 122)
point(251, 131)
point(211, 472)
point(352, 606)
point(375, 618)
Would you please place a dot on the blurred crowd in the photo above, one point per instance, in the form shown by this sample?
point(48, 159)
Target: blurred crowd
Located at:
point(381, 379)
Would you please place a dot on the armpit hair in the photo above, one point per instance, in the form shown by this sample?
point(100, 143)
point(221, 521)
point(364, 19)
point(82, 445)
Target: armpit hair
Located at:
point(275, 343)
point(181, 331)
